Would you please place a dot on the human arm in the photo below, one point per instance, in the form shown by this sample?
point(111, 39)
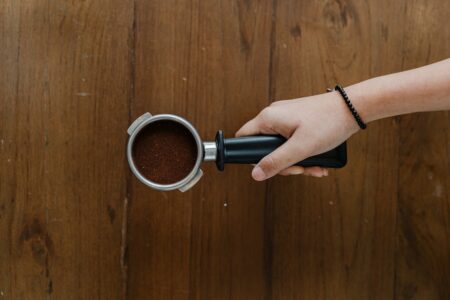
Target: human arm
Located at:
point(319, 123)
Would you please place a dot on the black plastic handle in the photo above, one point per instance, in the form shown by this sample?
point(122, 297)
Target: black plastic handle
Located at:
point(250, 150)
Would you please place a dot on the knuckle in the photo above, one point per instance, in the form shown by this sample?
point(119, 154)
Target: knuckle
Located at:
point(269, 164)
point(265, 113)
point(298, 127)
point(276, 103)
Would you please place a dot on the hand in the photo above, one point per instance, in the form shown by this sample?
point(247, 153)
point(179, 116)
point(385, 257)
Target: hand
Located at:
point(319, 123)
point(311, 125)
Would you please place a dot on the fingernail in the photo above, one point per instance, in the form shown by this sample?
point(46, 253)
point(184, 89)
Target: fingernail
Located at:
point(296, 172)
point(258, 174)
point(325, 172)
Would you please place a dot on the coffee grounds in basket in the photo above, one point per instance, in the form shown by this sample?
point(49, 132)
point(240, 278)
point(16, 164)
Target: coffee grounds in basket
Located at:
point(165, 152)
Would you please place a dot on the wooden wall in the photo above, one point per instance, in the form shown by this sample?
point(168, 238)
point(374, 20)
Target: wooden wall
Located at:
point(74, 223)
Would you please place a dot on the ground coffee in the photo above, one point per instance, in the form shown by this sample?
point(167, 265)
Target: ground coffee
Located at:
point(165, 152)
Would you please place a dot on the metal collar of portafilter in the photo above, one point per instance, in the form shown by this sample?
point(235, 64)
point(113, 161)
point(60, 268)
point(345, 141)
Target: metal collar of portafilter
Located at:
point(192, 178)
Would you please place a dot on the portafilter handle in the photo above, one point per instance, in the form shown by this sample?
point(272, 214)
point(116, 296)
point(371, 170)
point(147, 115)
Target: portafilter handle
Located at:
point(251, 149)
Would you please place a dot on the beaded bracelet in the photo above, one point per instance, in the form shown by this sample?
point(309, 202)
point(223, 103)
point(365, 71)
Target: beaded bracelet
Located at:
point(355, 114)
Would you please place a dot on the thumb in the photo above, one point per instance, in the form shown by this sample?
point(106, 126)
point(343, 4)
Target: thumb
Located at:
point(283, 157)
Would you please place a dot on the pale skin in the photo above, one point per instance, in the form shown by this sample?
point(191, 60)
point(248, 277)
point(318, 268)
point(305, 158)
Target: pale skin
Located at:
point(319, 123)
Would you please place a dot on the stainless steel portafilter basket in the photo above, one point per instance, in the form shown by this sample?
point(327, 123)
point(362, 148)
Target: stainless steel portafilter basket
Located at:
point(241, 150)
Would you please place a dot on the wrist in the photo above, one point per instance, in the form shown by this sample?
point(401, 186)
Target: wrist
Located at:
point(364, 100)
point(340, 109)
point(422, 89)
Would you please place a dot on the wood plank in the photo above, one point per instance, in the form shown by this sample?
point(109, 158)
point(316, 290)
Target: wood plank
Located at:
point(9, 28)
point(68, 106)
point(423, 245)
point(206, 61)
point(333, 238)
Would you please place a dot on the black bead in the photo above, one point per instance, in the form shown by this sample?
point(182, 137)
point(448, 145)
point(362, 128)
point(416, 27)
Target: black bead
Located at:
point(355, 114)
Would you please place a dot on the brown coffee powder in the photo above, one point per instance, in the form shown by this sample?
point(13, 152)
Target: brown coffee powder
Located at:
point(165, 152)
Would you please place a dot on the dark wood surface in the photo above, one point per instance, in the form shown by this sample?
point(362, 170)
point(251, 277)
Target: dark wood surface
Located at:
point(75, 224)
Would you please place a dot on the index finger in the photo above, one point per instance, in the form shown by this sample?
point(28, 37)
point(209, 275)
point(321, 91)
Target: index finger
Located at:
point(256, 126)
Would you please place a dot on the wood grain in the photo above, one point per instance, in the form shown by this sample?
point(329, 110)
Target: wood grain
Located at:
point(74, 223)
point(64, 118)
point(9, 28)
point(423, 231)
point(206, 61)
point(324, 229)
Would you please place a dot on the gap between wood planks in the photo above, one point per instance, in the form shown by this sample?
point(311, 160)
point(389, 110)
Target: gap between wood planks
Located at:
point(125, 216)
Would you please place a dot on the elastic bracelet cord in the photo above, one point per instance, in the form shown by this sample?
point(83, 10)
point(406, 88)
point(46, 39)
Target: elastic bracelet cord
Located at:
point(355, 114)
